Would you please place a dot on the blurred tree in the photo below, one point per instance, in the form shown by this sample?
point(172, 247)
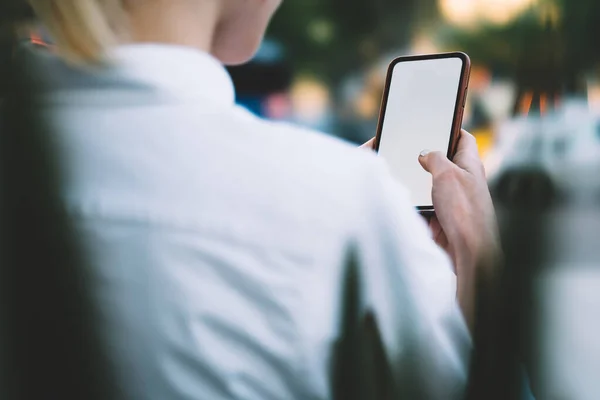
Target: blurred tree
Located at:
point(580, 29)
point(331, 38)
point(548, 50)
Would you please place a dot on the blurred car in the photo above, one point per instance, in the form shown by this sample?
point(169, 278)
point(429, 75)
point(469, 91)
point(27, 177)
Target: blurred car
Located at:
point(538, 161)
point(578, 168)
point(518, 168)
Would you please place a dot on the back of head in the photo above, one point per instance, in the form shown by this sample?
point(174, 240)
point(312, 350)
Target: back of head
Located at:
point(83, 29)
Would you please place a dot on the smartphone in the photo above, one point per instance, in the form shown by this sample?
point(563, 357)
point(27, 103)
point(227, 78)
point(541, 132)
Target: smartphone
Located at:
point(422, 109)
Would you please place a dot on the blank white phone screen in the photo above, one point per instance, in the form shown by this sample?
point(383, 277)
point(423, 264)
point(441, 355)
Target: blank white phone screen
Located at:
point(418, 116)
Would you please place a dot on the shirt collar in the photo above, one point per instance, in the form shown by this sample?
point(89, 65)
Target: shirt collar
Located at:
point(177, 70)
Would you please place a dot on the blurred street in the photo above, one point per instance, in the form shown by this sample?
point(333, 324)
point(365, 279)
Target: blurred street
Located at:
point(569, 299)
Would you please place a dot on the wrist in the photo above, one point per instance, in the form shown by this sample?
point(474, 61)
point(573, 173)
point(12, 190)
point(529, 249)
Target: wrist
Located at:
point(477, 263)
point(477, 244)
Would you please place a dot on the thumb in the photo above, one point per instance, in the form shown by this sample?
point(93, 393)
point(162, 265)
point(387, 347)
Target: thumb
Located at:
point(434, 162)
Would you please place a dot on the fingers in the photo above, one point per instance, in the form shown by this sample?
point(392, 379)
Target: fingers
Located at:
point(467, 154)
point(466, 158)
point(467, 143)
point(435, 162)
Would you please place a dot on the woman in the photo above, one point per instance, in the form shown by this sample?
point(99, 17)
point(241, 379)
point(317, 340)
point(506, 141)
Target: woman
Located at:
point(218, 240)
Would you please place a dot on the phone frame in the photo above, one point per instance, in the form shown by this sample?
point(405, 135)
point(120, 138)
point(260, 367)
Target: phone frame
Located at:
point(459, 107)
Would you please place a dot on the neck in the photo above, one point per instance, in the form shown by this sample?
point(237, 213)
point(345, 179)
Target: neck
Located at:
point(178, 22)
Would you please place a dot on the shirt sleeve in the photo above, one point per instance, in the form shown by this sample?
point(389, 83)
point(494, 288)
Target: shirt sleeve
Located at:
point(409, 286)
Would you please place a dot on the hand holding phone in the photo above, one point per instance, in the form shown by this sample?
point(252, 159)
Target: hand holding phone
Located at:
point(422, 109)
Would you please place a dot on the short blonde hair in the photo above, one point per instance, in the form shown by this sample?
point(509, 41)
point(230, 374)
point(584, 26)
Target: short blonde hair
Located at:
point(83, 30)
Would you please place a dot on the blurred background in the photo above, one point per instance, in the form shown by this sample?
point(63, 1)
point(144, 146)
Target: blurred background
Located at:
point(324, 62)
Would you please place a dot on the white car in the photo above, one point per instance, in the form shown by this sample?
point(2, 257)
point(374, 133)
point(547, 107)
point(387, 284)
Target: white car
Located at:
point(537, 161)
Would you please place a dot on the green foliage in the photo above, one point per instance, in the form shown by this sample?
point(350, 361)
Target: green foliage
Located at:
point(581, 30)
point(361, 30)
point(531, 42)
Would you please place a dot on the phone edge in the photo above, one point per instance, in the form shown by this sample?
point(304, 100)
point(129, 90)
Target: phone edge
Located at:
point(458, 112)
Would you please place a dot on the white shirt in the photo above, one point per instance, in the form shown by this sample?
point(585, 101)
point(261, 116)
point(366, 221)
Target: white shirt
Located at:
point(217, 240)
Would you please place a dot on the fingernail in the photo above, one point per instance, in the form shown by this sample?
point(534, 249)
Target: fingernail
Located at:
point(424, 153)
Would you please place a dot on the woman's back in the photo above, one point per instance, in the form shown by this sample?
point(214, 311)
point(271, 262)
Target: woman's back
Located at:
point(218, 239)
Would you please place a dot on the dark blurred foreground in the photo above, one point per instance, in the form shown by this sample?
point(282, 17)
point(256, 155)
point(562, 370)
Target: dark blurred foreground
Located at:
point(49, 347)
